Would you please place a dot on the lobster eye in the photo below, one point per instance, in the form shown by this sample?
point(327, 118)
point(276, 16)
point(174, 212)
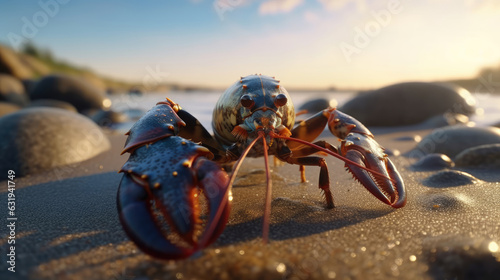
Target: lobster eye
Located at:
point(280, 100)
point(247, 101)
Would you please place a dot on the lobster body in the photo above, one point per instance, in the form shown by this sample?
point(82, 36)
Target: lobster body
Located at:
point(174, 198)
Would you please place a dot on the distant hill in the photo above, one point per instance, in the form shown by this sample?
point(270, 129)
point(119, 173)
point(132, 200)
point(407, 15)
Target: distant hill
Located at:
point(33, 62)
point(487, 81)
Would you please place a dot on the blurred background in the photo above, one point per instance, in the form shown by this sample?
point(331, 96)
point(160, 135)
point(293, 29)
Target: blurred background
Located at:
point(331, 50)
point(424, 76)
point(316, 44)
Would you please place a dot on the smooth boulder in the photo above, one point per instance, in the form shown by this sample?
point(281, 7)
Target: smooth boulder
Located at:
point(432, 162)
point(318, 104)
point(108, 118)
point(52, 104)
point(38, 139)
point(449, 178)
point(409, 103)
point(453, 140)
point(73, 90)
point(480, 156)
point(12, 90)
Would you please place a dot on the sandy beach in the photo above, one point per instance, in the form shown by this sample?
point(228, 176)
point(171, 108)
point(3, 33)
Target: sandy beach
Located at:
point(422, 76)
point(68, 226)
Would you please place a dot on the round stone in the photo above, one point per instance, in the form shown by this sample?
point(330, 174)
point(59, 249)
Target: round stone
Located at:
point(454, 139)
point(449, 178)
point(315, 105)
point(73, 90)
point(12, 90)
point(38, 139)
point(433, 162)
point(107, 118)
point(480, 156)
point(408, 103)
point(443, 202)
point(53, 104)
point(462, 257)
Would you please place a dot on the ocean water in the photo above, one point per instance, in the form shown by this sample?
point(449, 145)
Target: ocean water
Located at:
point(201, 103)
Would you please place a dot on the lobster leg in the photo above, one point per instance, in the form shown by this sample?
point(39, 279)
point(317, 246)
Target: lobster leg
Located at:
point(308, 150)
point(324, 179)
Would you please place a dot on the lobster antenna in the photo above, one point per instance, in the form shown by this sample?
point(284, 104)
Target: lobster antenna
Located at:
point(375, 173)
point(267, 207)
point(236, 168)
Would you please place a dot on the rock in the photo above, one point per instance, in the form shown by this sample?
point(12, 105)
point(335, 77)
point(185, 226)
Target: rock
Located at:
point(38, 139)
point(444, 202)
point(454, 139)
point(70, 89)
point(7, 108)
point(107, 118)
point(315, 105)
point(433, 162)
point(445, 119)
point(53, 104)
point(135, 90)
point(413, 138)
point(449, 178)
point(29, 85)
point(408, 103)
point(462, 257)
point(480, 156)
point(11, 64)
point(12, 90)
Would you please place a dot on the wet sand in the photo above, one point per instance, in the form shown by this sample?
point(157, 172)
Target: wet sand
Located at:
point(68, 227)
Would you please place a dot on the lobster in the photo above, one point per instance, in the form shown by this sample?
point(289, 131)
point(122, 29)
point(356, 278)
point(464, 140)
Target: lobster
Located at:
point(174, 173)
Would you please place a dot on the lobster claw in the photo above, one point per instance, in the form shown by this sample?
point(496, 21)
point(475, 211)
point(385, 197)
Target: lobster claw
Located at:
point(364, 150)
point(359, 146)
point(159, 199)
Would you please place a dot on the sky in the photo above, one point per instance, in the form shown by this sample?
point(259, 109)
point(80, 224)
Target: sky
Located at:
point(304, 43)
